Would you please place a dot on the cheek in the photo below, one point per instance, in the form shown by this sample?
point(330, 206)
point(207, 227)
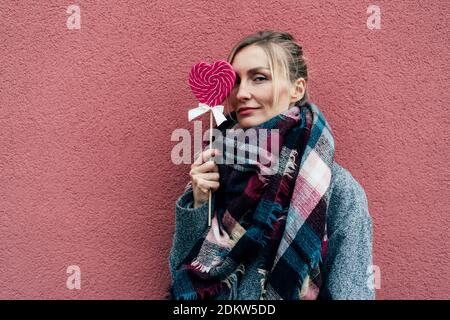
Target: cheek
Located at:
point(232, 100)
point(267, 98)
point(283, 96)
point(268, 95)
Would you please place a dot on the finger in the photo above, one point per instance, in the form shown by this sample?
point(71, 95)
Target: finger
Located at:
point(209, 166)
point(215, 186)
point(201, 184)
point(205, 185)
point(205, 156)
point(210, 176)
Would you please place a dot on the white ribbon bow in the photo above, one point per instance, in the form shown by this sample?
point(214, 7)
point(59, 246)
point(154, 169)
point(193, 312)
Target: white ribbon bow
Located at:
point(202, 108)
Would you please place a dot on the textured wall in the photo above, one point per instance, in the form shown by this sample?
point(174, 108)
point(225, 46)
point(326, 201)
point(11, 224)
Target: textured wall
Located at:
point(86, 118)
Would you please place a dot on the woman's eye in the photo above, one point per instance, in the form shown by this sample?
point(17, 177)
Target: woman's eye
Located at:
point(257, 79)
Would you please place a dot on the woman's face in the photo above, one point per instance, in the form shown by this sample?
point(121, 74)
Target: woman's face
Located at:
point(252, 95)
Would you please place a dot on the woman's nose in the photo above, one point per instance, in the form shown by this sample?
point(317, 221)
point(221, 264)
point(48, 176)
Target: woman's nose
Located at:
point(243, 93)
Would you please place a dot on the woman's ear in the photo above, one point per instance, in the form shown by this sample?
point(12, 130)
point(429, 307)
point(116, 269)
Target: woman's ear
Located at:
point(298, 89)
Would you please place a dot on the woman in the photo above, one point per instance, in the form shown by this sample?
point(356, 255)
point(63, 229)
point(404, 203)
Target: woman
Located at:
point(299, 231)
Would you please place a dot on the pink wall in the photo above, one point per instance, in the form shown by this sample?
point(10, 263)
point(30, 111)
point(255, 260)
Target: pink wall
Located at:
point(86, 117)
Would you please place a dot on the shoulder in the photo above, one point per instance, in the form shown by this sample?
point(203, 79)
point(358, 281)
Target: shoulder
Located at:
point(349, 232)
point(348, 204)
point(343, 182)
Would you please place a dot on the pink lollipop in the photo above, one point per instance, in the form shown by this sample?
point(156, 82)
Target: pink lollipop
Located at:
point(211, 84)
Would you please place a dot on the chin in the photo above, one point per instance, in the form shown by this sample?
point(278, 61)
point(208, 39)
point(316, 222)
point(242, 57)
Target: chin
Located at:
point(247, 122)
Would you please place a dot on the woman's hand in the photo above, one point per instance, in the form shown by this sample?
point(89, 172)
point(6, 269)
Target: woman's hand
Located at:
point(204, 176)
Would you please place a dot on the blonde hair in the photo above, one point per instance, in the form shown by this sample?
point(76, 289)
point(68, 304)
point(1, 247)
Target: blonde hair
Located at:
point(285, 58)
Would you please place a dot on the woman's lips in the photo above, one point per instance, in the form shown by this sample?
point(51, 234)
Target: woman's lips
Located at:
point(246, 111)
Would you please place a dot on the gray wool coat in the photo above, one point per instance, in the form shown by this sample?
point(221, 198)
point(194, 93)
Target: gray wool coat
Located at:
point(347, 270)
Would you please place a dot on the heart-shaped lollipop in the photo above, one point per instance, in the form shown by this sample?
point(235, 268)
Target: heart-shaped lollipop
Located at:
point(211, 84)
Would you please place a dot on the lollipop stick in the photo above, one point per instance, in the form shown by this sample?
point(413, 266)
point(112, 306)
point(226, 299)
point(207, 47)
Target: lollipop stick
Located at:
point(210, 148)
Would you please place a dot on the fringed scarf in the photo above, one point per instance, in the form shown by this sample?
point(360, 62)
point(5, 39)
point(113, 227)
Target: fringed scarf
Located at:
point(273, 213)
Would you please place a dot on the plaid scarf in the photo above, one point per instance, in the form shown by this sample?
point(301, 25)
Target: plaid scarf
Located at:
point(276, 215)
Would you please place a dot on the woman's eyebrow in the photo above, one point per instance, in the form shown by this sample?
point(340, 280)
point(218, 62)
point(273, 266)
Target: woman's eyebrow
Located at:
point(255, 70)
